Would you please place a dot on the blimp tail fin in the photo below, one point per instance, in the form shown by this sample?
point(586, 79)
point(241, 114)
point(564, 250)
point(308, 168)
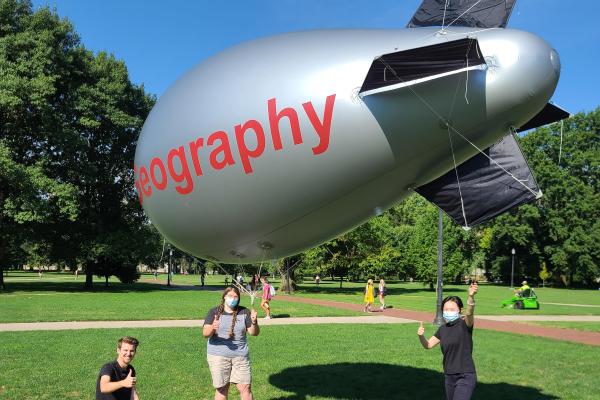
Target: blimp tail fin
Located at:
point(404, 68)
point(549, 114)
point(472, 13)
point(485, 186)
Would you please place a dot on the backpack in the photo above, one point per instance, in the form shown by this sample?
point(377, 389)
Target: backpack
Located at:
point(272, 290)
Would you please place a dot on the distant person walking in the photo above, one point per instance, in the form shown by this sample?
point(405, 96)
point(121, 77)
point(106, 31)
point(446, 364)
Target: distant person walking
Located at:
point(369, 296)
point(227, 353)
point(202, 274)
point(266, 297)
point(456, 337)
point(318, 279)
point(117, 379)
point(381, 294)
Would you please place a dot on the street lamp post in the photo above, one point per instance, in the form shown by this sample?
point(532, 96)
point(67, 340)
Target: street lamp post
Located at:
point(512, 270)
point(438, 309)
point(169, 269)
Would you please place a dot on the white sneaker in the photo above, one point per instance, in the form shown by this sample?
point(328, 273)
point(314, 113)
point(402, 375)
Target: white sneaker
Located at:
point(267, 317)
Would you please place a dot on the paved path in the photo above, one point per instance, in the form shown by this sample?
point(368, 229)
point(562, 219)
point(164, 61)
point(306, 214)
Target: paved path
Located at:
point(532, 318)
point(572, 335)
point(491, 322)
point(195, 323)
point(571, 305)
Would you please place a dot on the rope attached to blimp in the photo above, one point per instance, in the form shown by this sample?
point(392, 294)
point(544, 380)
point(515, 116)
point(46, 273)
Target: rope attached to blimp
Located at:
point(449, 126)
point(457, 18)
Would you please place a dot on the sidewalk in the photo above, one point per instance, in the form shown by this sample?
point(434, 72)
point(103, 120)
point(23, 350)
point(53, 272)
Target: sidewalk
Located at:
point(496, 324)
point(194, 323)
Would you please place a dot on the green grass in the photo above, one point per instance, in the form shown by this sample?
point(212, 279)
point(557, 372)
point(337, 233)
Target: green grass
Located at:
point(582, 326)
point(416, 296)
point(58, 297)
point(298, 362)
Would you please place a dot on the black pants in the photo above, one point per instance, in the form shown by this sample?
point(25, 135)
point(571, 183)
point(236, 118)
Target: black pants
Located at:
point(460, 386)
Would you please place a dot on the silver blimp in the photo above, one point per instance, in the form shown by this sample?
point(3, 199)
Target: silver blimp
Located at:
point(279, 144)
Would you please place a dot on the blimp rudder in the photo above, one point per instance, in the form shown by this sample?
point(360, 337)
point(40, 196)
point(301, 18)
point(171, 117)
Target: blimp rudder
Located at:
point(157, 175)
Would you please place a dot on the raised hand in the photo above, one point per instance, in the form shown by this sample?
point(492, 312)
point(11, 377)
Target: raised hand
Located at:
point(473, 289)
point(129, 381)
point(421, 330)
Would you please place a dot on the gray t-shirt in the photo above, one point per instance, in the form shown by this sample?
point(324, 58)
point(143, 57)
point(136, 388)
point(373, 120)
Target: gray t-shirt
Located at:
point(219, 344)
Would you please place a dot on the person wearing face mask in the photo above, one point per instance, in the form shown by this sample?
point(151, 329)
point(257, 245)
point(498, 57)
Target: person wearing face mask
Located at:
point(456, 338)
point(225, 327)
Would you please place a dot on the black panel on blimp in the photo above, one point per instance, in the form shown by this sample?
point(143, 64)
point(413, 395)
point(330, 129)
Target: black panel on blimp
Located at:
point(404, 66)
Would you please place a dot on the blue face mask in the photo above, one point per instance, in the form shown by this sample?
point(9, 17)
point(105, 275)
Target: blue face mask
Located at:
point(451, 316)
point(231, 302)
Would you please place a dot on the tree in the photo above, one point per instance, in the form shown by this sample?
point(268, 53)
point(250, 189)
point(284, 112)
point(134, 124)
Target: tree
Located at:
point(544, 274)
point(562, 228)
point(72, 117)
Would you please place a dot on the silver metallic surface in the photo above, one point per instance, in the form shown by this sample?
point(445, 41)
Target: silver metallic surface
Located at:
point(310, 191)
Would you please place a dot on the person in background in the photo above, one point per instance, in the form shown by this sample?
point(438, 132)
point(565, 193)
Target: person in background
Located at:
point(369, 298)
point(381, 294)
point(523, 288)
point(266, 297)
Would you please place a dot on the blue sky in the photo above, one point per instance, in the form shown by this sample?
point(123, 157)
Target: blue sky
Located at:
point(160, 40)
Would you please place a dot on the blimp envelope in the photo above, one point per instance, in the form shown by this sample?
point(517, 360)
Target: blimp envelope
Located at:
point(279, 144)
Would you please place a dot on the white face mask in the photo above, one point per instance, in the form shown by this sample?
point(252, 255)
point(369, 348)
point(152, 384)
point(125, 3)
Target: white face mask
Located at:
point(451, 316)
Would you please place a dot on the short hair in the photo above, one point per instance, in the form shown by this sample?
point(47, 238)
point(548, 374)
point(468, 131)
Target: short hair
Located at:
point(129, 340)
point(455, 299)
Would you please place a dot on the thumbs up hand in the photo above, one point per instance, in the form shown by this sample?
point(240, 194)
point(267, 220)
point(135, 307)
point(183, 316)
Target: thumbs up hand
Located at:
point(216, 323)
point(129, 381)
point(421, 330)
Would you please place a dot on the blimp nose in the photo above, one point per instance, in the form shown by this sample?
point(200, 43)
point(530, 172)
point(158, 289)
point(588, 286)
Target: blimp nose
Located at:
point(523, 72)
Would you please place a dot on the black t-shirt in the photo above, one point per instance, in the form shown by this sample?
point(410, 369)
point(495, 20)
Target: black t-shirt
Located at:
point(116, 373)
point(456, 339)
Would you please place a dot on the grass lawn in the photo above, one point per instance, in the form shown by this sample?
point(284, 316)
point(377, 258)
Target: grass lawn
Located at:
point(58, 297)
point(584, 326)
point(416, 296)
point(298, 362)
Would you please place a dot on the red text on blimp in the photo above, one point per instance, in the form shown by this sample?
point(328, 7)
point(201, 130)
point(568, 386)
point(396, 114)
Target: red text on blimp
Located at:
point(177, 168)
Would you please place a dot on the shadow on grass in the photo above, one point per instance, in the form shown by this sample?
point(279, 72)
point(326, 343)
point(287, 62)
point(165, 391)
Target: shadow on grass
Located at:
point(366, 381)
point(42, 285)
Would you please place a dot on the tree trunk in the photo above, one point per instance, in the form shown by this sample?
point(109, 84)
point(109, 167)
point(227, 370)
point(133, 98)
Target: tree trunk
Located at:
point(2, 246)
point(341, 280)
point(288, 278)
point(89, 275)
point(105, 280)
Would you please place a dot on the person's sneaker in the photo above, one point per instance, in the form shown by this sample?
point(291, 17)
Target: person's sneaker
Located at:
point(267, 317)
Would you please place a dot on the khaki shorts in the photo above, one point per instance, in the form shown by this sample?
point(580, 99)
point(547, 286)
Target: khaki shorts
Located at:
point(229, 369)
